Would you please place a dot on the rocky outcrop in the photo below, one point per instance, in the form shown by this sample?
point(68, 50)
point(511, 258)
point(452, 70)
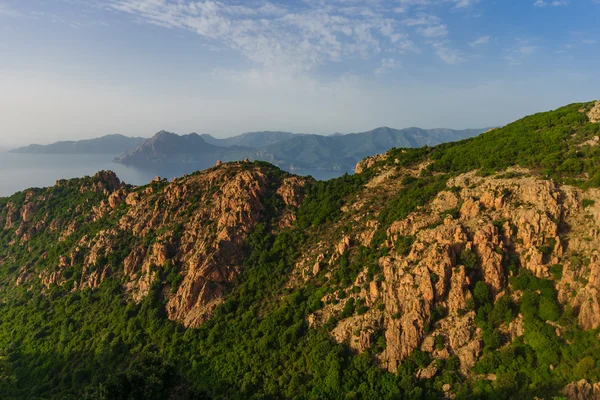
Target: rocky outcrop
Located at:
point(582, 390)
point(195, 226)
point(594, 113)
point(512, 217)
point(207, 244)
point(369, 162)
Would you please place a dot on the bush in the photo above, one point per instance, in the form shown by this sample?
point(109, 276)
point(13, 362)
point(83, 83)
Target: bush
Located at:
point(404, 244)
point(469, 259)
point(548, 310)
point(439, 342)
point(585, 203)
point(348, 309)
point(481, 294)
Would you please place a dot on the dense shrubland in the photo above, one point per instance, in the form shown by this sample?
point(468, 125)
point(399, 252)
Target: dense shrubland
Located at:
point(95, 344)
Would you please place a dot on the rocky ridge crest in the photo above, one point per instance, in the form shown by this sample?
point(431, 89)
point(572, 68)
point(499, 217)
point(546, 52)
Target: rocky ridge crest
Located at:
point(190, 231)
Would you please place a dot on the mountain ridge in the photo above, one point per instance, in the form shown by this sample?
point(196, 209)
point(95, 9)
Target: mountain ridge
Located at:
point(108, 144)
point(292, 151)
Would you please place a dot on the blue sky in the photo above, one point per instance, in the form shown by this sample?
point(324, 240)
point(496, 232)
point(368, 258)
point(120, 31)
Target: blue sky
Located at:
point(83, 68)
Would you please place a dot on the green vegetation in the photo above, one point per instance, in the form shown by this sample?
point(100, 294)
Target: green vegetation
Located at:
point(63, 342)
point(585, 203)
point(545, 142)
point(542, 362)
point(95, 344)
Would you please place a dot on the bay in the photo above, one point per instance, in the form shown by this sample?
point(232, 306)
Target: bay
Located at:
point(22, 171)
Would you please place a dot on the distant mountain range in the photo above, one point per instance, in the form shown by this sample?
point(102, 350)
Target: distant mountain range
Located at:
point(171, 154)
point(109, 144)
point(287, 150)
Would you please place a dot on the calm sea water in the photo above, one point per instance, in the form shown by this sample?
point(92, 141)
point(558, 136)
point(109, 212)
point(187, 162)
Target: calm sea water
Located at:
point(23, 171)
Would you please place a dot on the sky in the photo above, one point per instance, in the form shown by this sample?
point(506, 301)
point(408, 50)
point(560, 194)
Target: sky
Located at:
point(74, 69)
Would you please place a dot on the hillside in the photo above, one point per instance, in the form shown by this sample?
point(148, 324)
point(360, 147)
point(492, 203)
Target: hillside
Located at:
point(464, 270)
point(110, 144)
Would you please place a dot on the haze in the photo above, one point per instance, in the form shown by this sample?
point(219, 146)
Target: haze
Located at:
point(74, 69)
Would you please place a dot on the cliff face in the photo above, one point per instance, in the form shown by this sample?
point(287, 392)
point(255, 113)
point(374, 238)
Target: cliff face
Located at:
point(190, 232)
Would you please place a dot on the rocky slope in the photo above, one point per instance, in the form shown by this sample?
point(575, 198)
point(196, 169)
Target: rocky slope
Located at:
point(194, 228)
point(470, 269)
point(507, 219)
point(594, 113)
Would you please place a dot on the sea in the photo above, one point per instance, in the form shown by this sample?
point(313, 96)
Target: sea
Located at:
point(22, 171)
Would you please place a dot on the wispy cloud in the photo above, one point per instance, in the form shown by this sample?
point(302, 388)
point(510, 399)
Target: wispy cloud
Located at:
point(483, 40)
point(301, 37)
point(553, 3)
point(421, 19)
point(7, 11)
point(527, 50)
point(448, 54)
point(276, 36)
point(464, 3)
point(434, 31)
point(387, 65)
point(423, 3)
point(517, 55)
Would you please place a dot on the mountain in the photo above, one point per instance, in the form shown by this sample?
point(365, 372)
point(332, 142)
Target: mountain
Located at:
point(110, 144)
point(342, 152)
point(464, 270)
point(256, 140)
point(286, 150)
point(166, 150)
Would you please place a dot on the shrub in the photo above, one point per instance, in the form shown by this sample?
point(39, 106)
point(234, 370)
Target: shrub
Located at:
point(585, 203)
point(404, 244)
point(548, 309)
point(481, 294)
point(439, 342)
point(469, 259)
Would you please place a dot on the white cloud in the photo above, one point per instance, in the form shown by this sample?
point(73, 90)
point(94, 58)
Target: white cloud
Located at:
point(527, 50)
point(553, 3)
point(480, 41)
point(421, 19)
point(424, 3)
point(301, 38)
point(387, 64)
point(447, 54)
point(280, 37)
point(518, 54)
point(464, 3)
point(428, 26)
point(434, 31)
